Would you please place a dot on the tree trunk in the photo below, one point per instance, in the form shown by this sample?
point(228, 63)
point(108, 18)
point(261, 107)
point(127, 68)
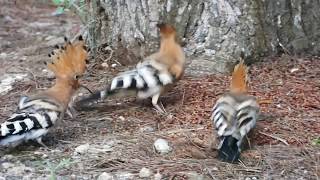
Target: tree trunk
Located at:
point(213, 32)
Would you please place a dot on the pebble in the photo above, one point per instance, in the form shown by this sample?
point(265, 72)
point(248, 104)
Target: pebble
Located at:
point(105, 65)
point(7, 165)
point(157, 176)
point(82, 149)
point(147, 129)
point(162, 146)
point(105, 176)
point(3, 54)
point(145, 172)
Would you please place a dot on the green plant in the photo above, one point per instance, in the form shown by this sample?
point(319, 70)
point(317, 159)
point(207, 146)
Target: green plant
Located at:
point(316, 141)
point(77, 6)
point(53, 168)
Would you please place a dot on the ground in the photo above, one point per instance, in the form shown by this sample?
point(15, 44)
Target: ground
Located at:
point(117, 136)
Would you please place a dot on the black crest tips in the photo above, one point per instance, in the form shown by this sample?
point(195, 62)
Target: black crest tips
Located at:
point(65, 39)
point(80, 38)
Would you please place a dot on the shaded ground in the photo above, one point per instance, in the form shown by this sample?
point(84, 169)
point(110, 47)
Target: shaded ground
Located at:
point(121, 132)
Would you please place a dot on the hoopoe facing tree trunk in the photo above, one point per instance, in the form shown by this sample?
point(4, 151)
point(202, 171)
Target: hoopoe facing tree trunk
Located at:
point(234, 115)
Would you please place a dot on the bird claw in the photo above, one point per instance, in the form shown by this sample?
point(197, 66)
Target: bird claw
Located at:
point(39, 141)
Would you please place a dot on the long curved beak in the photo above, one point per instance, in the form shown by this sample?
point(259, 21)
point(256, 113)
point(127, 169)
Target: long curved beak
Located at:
point(85, 87)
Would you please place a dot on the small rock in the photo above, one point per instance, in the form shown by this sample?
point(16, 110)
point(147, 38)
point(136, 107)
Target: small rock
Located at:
point(215, 169)
point(124, 175)
point(121, 118)
point(19, 169)
point(105, 176)
point(147, 129)
point(145, 172)
point(43, 155)
point(7, 165)
point(157, 176)
point(294, 70)
point(105, 65)
point(8, 157)
point(48, 38)
point(82, 149)
point(162, 146)
point(3, 54)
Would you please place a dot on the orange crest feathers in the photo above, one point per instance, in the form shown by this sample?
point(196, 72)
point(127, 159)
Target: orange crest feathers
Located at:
point(70, 60)
point(166, 30)
point(239, 78)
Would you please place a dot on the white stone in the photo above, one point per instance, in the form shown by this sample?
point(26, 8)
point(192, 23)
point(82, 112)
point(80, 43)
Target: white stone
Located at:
point(162, 146)
point(105, 65)
point(145, 172)
point(147, 129)
point(294, 70)
point(157, 176)
point(82, 149)
point(105, 176)
point(7, 165)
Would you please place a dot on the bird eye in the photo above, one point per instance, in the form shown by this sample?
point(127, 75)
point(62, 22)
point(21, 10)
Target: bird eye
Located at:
point(76, 77)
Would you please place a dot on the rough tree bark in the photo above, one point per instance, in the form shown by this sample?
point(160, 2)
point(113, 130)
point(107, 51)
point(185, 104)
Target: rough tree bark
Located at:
point(213, 32)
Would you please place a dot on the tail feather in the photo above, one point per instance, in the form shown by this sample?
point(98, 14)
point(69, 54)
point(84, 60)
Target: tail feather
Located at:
point(229, 150)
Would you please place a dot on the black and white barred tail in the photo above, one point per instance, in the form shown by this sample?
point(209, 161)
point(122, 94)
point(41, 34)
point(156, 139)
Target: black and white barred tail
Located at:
point(147, 79)
point(31, 121)
point(233, 117)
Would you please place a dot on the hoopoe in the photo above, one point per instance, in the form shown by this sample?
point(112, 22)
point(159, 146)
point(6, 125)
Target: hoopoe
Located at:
point(152, 77)
point(37, 114)
point(234, 115)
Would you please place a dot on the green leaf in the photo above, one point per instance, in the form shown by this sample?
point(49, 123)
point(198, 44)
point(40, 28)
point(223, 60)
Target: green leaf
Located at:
point(59, 10)
point(57, 2)
point(316, 142)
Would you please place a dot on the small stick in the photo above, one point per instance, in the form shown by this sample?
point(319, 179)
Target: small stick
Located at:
point(275, 137)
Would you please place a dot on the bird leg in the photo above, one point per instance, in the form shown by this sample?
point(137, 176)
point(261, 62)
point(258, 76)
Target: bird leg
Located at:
point(159, 109)
point(39, 141)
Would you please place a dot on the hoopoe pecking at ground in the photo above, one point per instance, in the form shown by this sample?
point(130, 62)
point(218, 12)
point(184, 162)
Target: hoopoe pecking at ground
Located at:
point(234, 115)
point(153, 76)
point(37, 114)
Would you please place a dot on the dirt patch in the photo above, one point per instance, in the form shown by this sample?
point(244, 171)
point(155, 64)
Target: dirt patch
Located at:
point(120, 132)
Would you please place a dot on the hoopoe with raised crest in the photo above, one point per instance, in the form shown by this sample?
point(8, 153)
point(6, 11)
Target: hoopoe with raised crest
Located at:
point(37, 114)
point(152, 77)
point(234, 115)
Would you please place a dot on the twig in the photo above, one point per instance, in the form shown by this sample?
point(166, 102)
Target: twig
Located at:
point(111, 54)
point(275, 137)
point(209, 171)
point(249, 170)
point(182, 130)
point(184, 91)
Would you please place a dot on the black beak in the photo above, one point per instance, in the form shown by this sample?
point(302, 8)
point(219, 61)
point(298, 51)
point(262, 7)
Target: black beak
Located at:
point(85, 87)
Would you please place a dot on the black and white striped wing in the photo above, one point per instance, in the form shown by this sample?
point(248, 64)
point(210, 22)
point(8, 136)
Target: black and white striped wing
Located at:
point(223, 116)
point(32, 120)
point(247, 115)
